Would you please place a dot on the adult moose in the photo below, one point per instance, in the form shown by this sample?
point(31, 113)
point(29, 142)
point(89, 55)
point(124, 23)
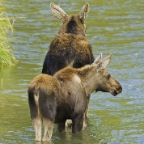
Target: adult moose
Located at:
point(70, 45)
point(54, 99)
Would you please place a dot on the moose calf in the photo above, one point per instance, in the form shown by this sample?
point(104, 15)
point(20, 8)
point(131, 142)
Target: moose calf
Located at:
point(54, 99)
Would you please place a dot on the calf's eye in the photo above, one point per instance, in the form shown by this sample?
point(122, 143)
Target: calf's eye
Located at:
point(108, 77)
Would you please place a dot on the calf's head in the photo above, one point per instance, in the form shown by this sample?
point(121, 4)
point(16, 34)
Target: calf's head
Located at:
point(73, 24)
point(106, 82)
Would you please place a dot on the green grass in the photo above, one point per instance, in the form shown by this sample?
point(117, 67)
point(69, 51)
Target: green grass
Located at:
point(6, 56)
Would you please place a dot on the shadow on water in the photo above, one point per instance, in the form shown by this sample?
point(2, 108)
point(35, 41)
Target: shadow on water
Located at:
point(113, 26)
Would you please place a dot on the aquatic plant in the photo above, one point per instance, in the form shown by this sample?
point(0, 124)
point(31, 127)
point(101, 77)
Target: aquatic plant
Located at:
point(6, 25)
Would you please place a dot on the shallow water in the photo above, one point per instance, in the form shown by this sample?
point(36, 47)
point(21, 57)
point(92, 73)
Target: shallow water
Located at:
point(112, 26)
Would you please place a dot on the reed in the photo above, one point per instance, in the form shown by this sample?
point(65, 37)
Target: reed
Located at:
point(6, 25)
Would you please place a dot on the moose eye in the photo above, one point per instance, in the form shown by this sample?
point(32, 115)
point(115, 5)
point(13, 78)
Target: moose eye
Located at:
point(108, 77)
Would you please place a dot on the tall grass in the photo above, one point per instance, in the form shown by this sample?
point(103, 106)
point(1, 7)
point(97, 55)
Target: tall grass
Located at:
point(6, 56)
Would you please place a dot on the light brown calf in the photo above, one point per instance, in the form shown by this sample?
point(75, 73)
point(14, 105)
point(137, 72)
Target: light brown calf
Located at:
point(54, 99)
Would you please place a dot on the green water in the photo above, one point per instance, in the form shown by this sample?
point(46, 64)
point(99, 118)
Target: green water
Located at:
point(115, 26)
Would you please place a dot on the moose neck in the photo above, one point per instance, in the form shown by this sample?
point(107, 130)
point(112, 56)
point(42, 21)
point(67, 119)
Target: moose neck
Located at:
point(72, 26)
point(89, 78)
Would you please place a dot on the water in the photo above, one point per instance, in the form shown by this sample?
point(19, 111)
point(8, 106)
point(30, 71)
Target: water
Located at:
point(112, 26)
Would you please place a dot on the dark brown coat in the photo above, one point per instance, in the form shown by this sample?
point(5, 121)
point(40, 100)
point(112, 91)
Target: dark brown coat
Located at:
point(70, 45)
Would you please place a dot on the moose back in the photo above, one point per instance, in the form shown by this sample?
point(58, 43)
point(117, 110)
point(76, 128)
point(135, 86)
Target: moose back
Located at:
point(70, 46)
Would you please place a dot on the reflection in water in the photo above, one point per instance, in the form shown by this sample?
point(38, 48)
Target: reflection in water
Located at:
point(113, 26)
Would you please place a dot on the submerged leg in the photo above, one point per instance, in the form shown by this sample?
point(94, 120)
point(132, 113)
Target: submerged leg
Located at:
point(37, 122)
point(48, 129)
point(77, 123)
point(68, 123)
point(61, 127)
point(86, 111)
point(85, 121)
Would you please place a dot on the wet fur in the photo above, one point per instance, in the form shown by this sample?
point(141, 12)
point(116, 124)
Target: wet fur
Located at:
point(58, 101)
point(69, 46)
point(55, 99)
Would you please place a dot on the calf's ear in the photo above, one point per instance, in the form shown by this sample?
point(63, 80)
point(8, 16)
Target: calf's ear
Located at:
point(106, 61)
point(83, 13)
point(98, 59)
point(57, 11)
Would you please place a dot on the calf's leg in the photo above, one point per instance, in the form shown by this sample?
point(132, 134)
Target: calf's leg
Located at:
point(61, 127)
point(37, 122)
point(48, 129)
point(77, 123)
point(85, 121)
point(68, 123)
point(86, 111)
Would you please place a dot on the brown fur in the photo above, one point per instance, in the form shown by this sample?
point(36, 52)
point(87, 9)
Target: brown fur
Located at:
point(74, 25)
point(70, 44)
point(54, 99)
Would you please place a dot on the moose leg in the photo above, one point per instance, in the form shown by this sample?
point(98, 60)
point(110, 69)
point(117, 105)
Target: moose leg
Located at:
point(37, 126)
point(68, 123)
point(84, 121)
point(61, 127)
point(86, 111)
point(77, 123)
point(85, 118)
point(48, 129)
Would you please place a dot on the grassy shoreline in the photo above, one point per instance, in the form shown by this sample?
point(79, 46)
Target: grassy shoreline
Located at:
point(6, 56)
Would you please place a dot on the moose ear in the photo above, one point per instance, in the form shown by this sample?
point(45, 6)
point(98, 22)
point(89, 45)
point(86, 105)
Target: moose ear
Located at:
point(57, 11)
point(84, 11)
point(106, 61)
point(98, 59)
